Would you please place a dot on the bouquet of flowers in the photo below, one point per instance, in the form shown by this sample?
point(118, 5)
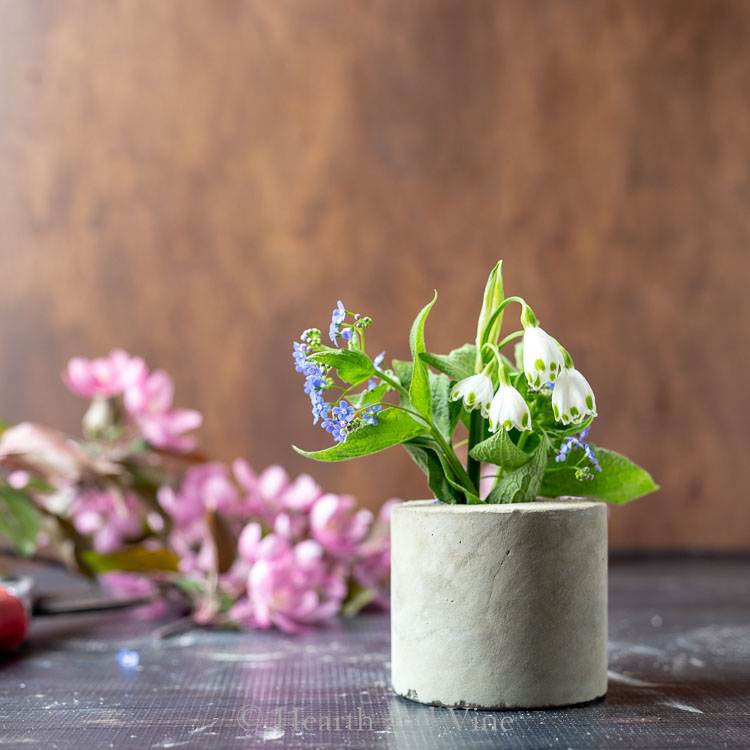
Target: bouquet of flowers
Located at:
point(526, 416)
point(134, 504)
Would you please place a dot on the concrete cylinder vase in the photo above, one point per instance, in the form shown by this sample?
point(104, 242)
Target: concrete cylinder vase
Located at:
point(499, 606)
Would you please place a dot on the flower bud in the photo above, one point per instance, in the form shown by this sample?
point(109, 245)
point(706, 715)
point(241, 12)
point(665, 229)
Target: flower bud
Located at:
point(493, 297)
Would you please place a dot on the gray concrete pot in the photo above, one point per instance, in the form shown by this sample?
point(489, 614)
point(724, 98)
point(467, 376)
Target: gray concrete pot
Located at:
point(499, 606)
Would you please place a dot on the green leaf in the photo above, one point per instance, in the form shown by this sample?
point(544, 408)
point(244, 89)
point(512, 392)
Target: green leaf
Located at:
point(403, 370)
point(394, 427)
point(518, 355)
point(559, 430)
point(353, 367)
point(458, 364)
point(619, 481)
point(429, 461)
point(500, 450)
point(371, 396)
point(419, 390)
point(357, 599)
point(19, 520)
point(132, 559)
point(522, 485)
point(445, 413)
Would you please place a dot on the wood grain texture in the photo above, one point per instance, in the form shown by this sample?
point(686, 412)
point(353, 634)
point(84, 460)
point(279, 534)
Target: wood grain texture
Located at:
point(198, 182)
point(679, 640)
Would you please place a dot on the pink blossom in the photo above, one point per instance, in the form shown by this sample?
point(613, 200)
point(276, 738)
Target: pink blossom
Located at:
point(18, 479)
point(248, 541)
point(337, 525)
point(273, 494)
point(204, 487)
point(296, 500)
point(166, 430)
point(292, 526)
point(242, 612)
point(372, 570)
point(132, 585)
point(105, 376)
point(49, 454)
point(150, 395)
point(149, 401)
point(301, 494)
point(291, 587)
point(195, 548)
point(248, 550)
point(269, 488)
point(244, 475)
point(110, 518)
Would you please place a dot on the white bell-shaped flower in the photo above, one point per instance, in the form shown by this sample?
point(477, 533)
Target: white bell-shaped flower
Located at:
point(508, 409)
point(476, 391)
point(572, 399)
point(542, 358)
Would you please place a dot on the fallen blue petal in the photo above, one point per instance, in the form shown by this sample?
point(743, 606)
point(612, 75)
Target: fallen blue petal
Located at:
point(128, 659)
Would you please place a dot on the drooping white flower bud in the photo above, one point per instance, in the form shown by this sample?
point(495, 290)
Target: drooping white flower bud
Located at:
point(542, 358)
point(572, 399)
point(508, 409)
point(476, 391)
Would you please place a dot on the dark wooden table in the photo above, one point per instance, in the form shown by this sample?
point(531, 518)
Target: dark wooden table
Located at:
point(679, 660)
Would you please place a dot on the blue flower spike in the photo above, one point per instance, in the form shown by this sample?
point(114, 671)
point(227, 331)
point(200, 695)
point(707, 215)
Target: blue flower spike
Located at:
point(577, 443)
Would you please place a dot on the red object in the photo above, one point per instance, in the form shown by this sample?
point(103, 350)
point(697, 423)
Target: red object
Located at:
point(14, 621)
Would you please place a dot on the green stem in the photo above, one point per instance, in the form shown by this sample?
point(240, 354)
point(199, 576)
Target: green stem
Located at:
point(522, 440)
point(448, 452)
point(509, 338)
point(346, 392)
point(393, 383)
point(476, 434)
point(498, 312)
point(454, 463)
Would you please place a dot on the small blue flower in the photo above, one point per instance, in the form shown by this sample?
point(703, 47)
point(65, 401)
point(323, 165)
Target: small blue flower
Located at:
point(339, 313)
point(339, 430)
point(337, 317)
point(310, 368)
point(320, 408)
point(341, 433)
point(314, 382)
point(300, 356)
point(373, 382)
point(346, 334)
point(566, 446)
point(589, 451)
point(344, 412)
point(369, 415)
point(572, 442)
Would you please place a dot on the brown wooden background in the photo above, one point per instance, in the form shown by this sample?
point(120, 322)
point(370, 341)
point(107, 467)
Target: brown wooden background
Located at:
point(199, 181)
